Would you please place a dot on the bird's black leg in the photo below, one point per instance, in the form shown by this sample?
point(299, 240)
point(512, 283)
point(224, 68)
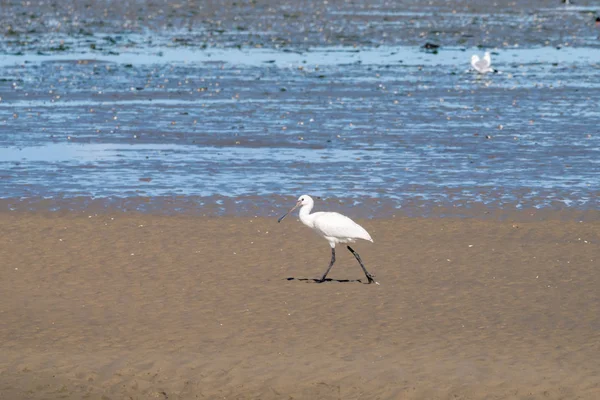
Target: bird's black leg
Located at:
point(367, 274)
point(330, 265)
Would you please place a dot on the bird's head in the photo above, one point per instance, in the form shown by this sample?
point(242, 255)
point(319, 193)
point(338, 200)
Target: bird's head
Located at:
point(303, 200)
point(474, 58)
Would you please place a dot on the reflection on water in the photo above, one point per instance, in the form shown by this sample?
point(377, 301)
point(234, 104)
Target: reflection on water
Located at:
point(382, 126)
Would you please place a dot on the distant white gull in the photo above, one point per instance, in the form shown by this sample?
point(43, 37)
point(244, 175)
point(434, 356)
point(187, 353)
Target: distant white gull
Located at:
point(482, 65)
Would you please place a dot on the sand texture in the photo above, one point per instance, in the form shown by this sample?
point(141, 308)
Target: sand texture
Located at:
point(129, 306)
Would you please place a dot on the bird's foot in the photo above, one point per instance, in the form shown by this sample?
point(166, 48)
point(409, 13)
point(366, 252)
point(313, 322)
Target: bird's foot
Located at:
point(320, 280)
point(371, 280)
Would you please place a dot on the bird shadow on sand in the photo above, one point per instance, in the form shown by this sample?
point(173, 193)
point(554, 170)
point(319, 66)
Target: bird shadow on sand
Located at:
point(314, 280)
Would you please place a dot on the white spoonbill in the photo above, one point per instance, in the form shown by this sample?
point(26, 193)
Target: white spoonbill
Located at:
point(482, 65)
point(334, 227)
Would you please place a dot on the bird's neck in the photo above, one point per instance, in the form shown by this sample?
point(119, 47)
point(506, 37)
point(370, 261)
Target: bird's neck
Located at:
point(305, 216)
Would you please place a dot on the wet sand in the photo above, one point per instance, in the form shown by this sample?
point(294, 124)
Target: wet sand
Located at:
point(137, 306)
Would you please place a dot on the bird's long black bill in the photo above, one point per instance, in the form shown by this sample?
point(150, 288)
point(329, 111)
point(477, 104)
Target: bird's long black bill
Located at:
point(285, 215)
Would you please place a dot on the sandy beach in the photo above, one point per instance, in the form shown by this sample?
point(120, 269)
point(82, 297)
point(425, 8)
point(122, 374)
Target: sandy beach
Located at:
point(138, 306)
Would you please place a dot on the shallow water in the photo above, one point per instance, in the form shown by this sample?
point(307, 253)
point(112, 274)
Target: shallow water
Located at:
point(244, 131)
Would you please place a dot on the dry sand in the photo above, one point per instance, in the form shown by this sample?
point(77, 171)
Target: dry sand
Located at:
point(129, 306)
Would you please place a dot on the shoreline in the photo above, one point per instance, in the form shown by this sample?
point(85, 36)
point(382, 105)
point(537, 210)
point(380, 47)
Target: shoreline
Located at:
point(273, 206)
point(145, 150)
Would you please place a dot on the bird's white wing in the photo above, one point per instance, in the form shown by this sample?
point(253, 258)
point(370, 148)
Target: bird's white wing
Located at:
point(474, 61)
point(336, 225)
point(488, 60)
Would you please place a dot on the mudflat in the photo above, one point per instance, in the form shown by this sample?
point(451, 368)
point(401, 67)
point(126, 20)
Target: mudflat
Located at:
point(138, 306)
